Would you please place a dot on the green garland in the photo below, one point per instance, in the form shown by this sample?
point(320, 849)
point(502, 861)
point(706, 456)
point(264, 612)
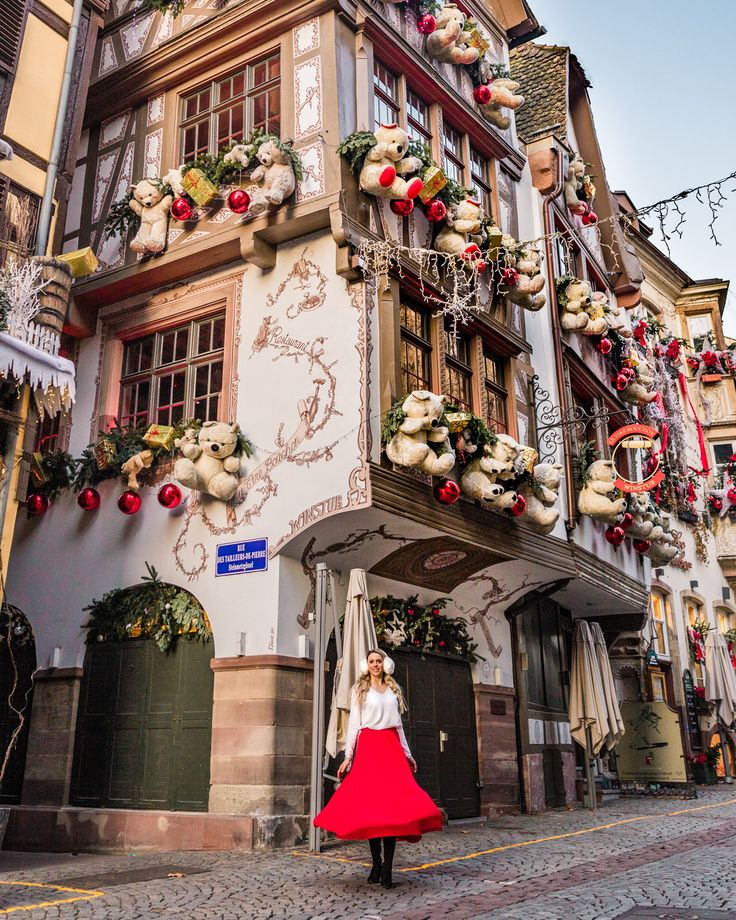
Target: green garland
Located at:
point(561, 284)
point(58, 470)
point(587, 455)
point(480, 433)
point(404, 623)
point(153, 610)
point(174, 7)
point(354, 148)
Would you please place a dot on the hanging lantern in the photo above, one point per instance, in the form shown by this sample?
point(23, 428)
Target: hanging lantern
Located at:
point(435, 211)
point(446, 491)
point(510, 276)
point(181, 209)
point(482, 94)
point(615, 535)
point(642, 546)
point(626, 521)
point(238, 201)
point(518, 508)
point(37, 504)
point(426, 24)
point(88, 499)
point(402, 206)
point(169, 495)
point(129, 502)
point(604, 345)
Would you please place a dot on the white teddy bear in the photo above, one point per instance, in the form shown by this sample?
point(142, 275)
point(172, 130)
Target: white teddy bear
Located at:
point(573, 183)
point(152, 207)
point(421, 442)
point(479, 480)
point(239, 155)
point(385, 164)
point(503, 96)
point(578, 296)
point(274, 175)
point(463, 228)
point(174, 179)
point(638, 508)
point(540, 494)
point(209, 462)
point(640, 391)
point(663, 549)
point(525, 283)
point(449, 41)
point(595, 497)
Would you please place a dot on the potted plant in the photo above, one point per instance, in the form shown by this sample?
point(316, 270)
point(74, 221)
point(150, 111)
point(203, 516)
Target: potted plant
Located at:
point(704, 765)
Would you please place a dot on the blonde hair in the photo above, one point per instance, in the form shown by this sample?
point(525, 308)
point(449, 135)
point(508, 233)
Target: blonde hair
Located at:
point(363, 683)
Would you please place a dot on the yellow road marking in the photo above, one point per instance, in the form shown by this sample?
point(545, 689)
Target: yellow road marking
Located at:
point(528, 843)
point(84, 895)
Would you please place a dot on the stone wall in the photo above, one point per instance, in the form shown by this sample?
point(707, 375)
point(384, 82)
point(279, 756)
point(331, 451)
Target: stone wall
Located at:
point(497, 755)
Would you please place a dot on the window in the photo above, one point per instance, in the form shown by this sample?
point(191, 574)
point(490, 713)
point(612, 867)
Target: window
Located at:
point(418, 118)
point(726, 620)
point(494, 375)
point(699, 327)
point(459, 373)
point(452, 154)
point(416, 349)
point(18, 223)
point(721, 454)
point(480, 179)
point(694, 613)
point(386, 96)
point(231, 108)
point(566, 255)
point(174, 374)
point(660, 614)
point(659, 687)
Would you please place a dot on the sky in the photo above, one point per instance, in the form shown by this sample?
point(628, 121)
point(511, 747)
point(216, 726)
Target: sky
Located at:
point(664, 83)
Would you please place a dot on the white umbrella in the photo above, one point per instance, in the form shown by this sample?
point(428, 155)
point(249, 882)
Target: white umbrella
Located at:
point(720, 678)
point(359, 636)
point(616, 727)
point(589, 724)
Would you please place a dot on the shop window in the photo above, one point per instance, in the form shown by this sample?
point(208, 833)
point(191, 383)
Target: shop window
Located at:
point(660, 617)
point(494, 379)
point(174, 374)
point(416, 349)
point(231, 108)
point(459, 369)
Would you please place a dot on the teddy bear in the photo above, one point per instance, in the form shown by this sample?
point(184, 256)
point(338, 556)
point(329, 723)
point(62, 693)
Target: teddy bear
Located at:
point(595, 497)
point(640, 390)
point(638, 507)
point(541, 493)
point(449, 41)
point(478, 481)
point(503, 96)
point(239, 155)
point(524, 284)
point(577, 298)
point(385, 164)
point(274, 175)
point(462, 231)
point(174, 179)
point(209, 462)
point(135, 465)
point(663, 549)
point(574, 183)
point(508, 455)
point(152, 207)
point(421, 442)
point(598, 315)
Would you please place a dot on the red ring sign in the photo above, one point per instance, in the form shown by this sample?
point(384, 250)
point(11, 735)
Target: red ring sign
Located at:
point(635, 437)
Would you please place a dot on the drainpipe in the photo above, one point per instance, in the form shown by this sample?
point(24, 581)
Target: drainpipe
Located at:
point(557, 344)
point(44, 220)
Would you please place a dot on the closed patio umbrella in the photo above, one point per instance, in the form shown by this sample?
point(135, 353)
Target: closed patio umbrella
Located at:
point(615, 720)
point(589, 724)
point(359, 636)
point(720, 678)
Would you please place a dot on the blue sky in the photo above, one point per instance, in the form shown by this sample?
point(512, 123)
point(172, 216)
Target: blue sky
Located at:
point(663, 92)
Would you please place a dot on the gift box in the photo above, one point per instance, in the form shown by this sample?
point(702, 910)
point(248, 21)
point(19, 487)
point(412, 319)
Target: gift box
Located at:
point(528, 459)
point(457, 421)
point(477, 40)
point(37, 470)
point(198, 187)
point(82, 261)
point(495, 238)
point(595, 310)
point(105, 453)
point(160, 436)
point(434, 180)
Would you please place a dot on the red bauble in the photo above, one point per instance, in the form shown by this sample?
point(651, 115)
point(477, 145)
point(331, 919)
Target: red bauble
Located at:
point(519, 507)
point(716, 504)
point(621, 381)
point(604, 346)
point(88, 499)
point(482, 94)
point(627, 521)
point(629, 372)
point(169, 495)
point(510, 277)
point(181, 209)
point(129, 501)
point(426, 24)
point(446, 491)
point(238, 201)
point(435, 211)
point(731, 495)
point(37, 504)
point(590, 218)
point(615, 535)
point(642, 546)
point(403, 206)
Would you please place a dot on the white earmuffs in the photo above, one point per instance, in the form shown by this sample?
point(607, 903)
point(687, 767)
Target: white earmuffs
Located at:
point(388, 665)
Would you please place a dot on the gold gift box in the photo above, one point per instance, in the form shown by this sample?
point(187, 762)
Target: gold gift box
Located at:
point(457, 421)
point(199, 187)
point(495, 238)
point(477, 40)
point(528, 459)
point(105, 453)
point(434, 180)
point(596, 311)
point(82, 261)
point(160, 436)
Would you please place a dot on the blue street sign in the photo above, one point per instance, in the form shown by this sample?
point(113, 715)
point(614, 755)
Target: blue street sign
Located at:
point(236, 558)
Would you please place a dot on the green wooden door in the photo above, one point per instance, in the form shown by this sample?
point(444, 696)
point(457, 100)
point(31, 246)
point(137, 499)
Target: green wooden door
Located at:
point(144, 727)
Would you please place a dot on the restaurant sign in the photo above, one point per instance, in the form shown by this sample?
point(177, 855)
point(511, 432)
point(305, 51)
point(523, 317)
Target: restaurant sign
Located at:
point(625, 443)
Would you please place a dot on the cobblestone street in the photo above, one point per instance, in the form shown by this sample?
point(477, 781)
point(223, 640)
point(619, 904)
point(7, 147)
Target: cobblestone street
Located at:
point(636, 858)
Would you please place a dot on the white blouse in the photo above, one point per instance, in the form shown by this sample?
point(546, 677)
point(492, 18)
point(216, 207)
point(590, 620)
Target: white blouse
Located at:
point(380, 710)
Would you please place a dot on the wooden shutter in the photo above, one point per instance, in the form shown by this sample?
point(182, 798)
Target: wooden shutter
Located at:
point(12, 15)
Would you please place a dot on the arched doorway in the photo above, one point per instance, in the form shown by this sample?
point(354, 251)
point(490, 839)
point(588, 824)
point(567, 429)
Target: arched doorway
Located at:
point(715, 741)
point(144, 722)
point(17, 664)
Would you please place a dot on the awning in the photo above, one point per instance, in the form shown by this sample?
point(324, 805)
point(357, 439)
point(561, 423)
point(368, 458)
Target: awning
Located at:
point(51, 377)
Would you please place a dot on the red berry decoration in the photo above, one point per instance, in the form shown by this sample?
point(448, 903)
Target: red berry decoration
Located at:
point(403, 206)
point(519, 506)
point(129, 502)
point(426, 24)
point(510, 277)
point(482, 94)
point(238, 201)
point(181, 209)
point(627, 521)
point(615, 535)
point(604, 346)
point(37, 504)
point(169, 495)
point(88, 499)
point(435, 211)
point(642, 546)
point(590, 218)
point(446, 491)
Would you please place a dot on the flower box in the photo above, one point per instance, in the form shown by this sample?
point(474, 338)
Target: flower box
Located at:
point(711, 378)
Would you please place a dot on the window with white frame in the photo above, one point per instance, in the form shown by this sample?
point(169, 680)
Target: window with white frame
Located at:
point(722, 453)
point(660, 614)
point(699, 326)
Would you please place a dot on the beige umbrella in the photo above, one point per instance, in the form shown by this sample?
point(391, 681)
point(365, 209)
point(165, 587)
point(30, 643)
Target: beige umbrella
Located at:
point(720, 678)
point(615, 720)
point(359, 636)
point(589, 724)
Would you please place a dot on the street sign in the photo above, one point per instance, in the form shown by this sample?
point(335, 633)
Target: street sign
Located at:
point(237, 558)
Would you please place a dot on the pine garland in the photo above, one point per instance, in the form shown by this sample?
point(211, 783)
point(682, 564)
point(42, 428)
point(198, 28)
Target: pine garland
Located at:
point(173, 7)
point(392, 420)
point(587, 455)
point(354, 148)
point(561, 284)
point(58, 469)
point(405, 623)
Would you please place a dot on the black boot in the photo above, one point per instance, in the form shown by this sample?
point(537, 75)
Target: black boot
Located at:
point(375, 845)
point(389, 845)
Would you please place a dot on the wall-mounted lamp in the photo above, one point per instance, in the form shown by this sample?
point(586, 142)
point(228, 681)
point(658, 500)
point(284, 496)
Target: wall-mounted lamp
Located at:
point(693, 585)
point(659, 573)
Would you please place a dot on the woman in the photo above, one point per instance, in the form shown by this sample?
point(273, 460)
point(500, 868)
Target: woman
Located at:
point(379, 798)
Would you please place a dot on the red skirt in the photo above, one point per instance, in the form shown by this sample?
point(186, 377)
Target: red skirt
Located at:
point(379, 797)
